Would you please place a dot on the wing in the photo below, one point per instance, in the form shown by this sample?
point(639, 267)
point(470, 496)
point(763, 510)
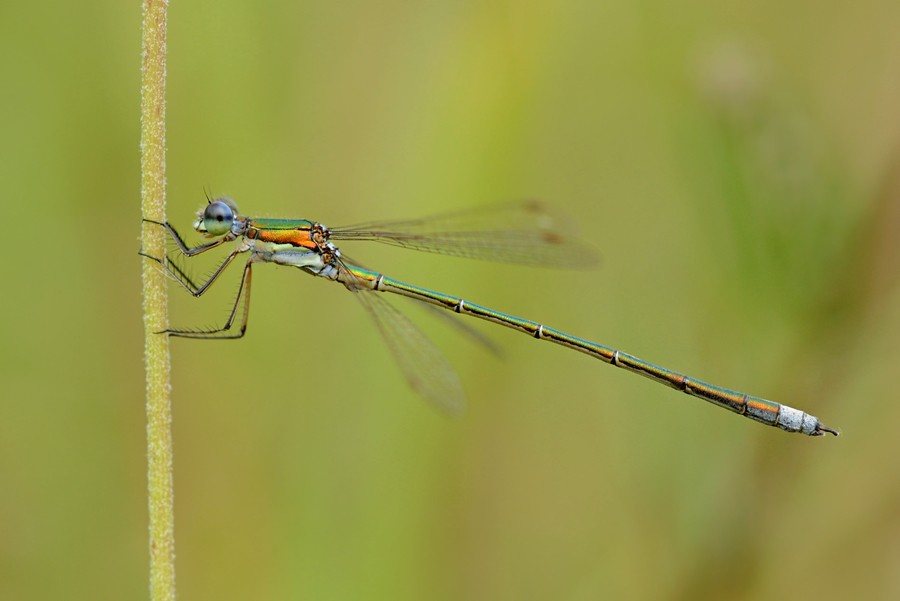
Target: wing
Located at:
point(524, 232)
point(451, 318)
point(426, 369)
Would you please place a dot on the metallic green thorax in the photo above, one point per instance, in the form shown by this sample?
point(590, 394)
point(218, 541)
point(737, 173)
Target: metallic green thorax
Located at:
point(280, 224)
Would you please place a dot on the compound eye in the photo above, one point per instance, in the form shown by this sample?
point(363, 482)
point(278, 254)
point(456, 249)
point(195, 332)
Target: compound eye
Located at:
point(217, 218)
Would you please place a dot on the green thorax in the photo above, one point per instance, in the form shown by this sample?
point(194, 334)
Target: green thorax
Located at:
point(280, 224)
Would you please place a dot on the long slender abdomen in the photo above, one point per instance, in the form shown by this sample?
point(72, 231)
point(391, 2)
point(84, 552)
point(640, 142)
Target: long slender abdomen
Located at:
point(761, 410)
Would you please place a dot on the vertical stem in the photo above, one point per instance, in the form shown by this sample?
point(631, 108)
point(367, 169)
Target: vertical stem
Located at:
point(156, 346)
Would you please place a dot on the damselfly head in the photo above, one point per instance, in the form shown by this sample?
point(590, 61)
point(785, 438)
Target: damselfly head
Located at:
point(216, 218)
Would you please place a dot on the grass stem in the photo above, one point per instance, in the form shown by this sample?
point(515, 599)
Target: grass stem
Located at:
point(156, 347)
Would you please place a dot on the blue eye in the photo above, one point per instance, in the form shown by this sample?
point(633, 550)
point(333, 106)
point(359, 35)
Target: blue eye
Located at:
point(217, 218)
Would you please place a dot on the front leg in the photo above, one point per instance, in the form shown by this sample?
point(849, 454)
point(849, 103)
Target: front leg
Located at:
point(184, 248)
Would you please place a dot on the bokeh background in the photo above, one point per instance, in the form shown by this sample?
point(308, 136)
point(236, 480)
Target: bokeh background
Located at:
point(736, 163)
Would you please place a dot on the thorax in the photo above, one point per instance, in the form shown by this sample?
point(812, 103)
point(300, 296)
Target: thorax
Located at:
point(275, 235)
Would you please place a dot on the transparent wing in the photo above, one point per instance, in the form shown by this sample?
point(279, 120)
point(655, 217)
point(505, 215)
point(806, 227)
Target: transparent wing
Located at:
point(524, 232)
point(426, 369)
point(456, 321)
point(450, 318)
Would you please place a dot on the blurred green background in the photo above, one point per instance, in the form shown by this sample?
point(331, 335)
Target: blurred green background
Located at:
point(737, 164)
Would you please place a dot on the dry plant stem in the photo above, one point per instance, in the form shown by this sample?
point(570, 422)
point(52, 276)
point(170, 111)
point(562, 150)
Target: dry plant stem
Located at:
point(156, 319)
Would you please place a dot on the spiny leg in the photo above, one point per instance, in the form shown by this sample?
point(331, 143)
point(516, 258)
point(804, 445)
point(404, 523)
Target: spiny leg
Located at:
point(178, 274)
point(243, 290)
point(184, 248)
point(175, 270)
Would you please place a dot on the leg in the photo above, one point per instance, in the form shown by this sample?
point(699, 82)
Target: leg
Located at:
point(176, 272)
point(184, 248)
point(243, 290)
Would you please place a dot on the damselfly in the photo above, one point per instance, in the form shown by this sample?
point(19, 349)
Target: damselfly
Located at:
point(524, 232)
